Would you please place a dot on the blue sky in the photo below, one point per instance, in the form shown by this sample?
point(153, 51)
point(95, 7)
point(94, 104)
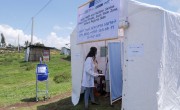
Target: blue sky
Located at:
point(54, 24)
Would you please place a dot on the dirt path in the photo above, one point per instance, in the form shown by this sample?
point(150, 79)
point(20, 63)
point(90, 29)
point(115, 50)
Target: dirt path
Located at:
point(31, 104)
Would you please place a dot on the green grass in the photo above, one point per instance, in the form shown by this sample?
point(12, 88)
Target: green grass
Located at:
point(18, 78)
point(65, 104)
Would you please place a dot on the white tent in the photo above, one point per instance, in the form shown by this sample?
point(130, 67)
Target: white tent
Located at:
point(150, 59)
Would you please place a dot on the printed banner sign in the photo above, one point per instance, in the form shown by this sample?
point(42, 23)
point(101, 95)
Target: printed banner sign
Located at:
point(135, 50)
point(98, 20)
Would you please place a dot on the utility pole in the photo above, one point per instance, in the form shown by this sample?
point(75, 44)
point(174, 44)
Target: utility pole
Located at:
point(32, 30)
point(18, 44)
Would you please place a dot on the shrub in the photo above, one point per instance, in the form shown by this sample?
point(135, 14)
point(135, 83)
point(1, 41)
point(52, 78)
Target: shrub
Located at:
point(60, 78)
point(29, 67)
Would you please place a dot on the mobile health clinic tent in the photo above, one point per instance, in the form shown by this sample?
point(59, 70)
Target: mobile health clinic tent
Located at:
point(149, 58)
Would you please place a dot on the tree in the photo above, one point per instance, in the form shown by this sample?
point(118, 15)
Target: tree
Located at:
point(3, 42)
point(9, 45)
point(39, 44)
point(26, 43)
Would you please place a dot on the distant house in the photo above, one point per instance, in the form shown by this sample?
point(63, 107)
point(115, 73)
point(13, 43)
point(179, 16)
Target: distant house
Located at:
point(65, 51)
point(33, 53)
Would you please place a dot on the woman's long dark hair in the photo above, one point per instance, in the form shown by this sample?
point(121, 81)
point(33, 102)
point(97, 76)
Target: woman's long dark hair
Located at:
point(92, 52)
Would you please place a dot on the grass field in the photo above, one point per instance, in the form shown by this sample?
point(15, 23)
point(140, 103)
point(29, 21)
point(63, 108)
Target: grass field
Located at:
point(18, 78)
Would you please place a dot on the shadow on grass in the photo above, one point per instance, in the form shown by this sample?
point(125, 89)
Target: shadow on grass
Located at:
point(67, 58)
point(66, 104)
point(22, 61)
point(33, 99)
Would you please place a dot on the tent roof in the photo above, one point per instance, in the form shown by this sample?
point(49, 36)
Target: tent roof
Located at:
point(37, 46)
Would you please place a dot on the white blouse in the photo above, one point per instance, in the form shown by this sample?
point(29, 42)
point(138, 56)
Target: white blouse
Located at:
point(89, 73)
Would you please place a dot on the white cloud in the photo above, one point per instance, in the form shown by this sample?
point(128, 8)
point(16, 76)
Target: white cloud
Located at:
point(11, 35)
point(52, 40)
point(57, 28)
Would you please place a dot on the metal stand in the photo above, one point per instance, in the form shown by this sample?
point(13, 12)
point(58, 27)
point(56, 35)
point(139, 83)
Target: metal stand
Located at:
point(42, 76)
point(40, 92)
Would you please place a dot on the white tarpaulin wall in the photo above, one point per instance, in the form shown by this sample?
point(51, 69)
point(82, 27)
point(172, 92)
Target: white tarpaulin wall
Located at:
point(151, 73)
point(78, 54)
point(169, 76)
point(77, 59)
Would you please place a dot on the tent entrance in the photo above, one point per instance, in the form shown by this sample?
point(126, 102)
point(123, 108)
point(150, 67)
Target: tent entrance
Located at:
point(115, 71)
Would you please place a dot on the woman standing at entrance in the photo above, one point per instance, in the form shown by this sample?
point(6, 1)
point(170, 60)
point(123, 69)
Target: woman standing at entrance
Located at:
point(88, 76)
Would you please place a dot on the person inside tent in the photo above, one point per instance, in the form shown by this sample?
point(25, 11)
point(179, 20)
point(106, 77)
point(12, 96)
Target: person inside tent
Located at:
point(98, 89)
point(88, 77)
point(96, 80)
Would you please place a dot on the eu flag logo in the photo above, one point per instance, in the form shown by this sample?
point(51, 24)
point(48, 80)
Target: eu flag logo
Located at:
point(91, 4)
